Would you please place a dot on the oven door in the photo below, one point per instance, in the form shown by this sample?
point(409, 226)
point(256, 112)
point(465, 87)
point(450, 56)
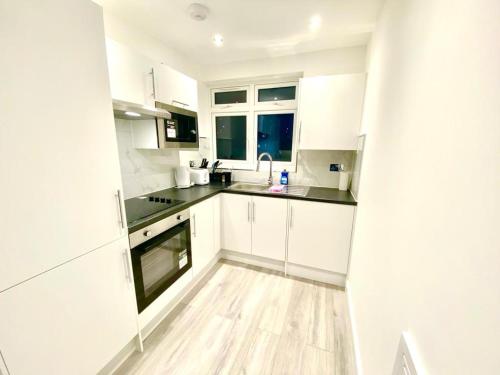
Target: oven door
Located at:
point(181, 131)
point(159, 262)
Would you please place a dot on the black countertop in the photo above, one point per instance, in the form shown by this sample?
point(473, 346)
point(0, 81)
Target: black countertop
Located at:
point(197, 193)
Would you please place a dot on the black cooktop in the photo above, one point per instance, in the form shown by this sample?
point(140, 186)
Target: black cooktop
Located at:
point(147, 205)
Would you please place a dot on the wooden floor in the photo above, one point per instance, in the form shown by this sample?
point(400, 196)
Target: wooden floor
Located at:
point(246, 320)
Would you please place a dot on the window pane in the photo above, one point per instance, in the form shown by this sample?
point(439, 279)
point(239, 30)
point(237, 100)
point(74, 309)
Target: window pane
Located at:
point(231, 137)
point(275, 135)
point(230, 97)
point(277, 93)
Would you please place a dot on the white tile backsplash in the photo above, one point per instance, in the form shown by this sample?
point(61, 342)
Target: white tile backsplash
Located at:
point(313, 168)
point(143, 171)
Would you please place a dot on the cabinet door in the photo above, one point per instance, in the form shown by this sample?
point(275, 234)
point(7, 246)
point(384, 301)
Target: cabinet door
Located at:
point(202, 234)
point(236, 223)
point(320, 235)
point(59, 158)
point(176, 88)
point(330, 111)
point(73, 319)
point(217, 223)
point(269, 221)
point(130, 74)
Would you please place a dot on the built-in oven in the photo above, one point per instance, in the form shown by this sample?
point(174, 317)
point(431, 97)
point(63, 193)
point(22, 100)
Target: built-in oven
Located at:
point(161, 254)
point(180, 131)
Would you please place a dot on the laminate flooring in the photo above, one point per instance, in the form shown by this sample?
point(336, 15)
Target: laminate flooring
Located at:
point(242, 319)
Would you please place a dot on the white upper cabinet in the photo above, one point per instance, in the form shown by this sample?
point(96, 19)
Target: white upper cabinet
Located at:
point(269, 218)
point(236, 223)
point(320, 235)
point(59, 158)
point(130, 74)
point(330, 110)
point(202, 234)
point(73, 319)
point(175, 88)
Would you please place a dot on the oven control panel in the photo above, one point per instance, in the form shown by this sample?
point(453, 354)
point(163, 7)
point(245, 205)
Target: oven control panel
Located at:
point(144, 234)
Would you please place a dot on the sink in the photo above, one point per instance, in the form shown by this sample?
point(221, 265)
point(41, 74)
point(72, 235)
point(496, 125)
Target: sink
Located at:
point(261, 188)
point(300, 191)
point(241, 186)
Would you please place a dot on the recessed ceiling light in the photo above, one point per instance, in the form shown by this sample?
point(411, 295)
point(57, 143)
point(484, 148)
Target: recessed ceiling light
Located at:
point(315, 23)
point(132, 114)
point(198, 12)
point(218, 40)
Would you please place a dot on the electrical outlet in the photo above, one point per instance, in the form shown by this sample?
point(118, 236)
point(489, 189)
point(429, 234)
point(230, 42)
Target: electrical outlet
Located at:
point(335, 167)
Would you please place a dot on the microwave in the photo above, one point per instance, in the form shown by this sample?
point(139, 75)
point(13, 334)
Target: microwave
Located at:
point(180, 131)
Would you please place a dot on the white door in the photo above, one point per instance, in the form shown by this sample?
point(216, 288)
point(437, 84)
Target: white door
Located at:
point(330, 110)
point(176, 88)
point(130, 74)
point(73, 319)
point(236, 222)
point(202, 234)
point(269, 221)
point(58, 151)
point(320, 235)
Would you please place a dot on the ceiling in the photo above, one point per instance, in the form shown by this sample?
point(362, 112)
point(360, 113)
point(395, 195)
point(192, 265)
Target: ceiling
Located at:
point(252, 29)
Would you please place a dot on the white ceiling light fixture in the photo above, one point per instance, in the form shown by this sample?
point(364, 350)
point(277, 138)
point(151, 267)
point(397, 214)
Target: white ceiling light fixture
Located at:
point(315, 23)
point(218, 40)
point(198, 12)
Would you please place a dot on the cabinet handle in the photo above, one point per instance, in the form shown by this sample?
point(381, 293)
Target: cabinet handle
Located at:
point(121, 219)
point(153, 79)
point(253, 211)
point(194, 225)
point(127, 266)
point(300, 130)
point(181, 103)
point(248, 211)
point(291, 217)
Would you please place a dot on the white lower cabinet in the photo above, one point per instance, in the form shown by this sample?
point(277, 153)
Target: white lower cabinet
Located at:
point(236, 223)
point(269, 227)
point(72, 319)
point(320, 235)
point(202, 234)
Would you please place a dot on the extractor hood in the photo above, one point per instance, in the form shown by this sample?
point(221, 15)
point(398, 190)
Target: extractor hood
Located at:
point(133, 111)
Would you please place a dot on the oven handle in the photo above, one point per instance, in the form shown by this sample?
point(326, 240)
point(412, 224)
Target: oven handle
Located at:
point(126, 264)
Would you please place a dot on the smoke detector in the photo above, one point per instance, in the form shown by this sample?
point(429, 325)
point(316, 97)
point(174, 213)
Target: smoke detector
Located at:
point(198, 12)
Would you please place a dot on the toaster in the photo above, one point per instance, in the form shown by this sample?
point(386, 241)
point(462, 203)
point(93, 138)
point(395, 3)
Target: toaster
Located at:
point(199, 176)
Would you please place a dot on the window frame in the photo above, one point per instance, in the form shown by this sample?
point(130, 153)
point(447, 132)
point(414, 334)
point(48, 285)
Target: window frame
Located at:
point(232, 106)
point(277, 165)
point(229, 163)
point(277, 104)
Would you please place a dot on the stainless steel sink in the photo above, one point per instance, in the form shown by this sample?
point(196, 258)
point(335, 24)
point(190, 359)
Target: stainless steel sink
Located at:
point(300, 191)
point(243, 186)
point(261, 188)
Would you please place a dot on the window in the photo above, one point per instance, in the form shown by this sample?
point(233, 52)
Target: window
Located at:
point(231, 137)
point(276, 93)
point(266, 122)
point(283, 95)
point(230, 98)
point(275, 135)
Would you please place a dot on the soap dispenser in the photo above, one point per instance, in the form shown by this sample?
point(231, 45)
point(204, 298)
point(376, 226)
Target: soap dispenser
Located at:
point(284, 177)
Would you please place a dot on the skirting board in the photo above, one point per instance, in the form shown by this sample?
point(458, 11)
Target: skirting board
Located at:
point(291, 269)
point(354, 330)
point(132, 346)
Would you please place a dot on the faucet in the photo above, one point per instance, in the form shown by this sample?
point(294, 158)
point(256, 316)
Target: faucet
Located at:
point(270, 179)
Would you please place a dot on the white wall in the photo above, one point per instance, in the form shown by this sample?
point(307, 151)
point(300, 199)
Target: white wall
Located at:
point(426, 254)
point(334, 61)
point(143, 171)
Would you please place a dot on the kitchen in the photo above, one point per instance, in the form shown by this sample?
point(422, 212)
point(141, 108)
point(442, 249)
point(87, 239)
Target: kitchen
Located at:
point(245, 199)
